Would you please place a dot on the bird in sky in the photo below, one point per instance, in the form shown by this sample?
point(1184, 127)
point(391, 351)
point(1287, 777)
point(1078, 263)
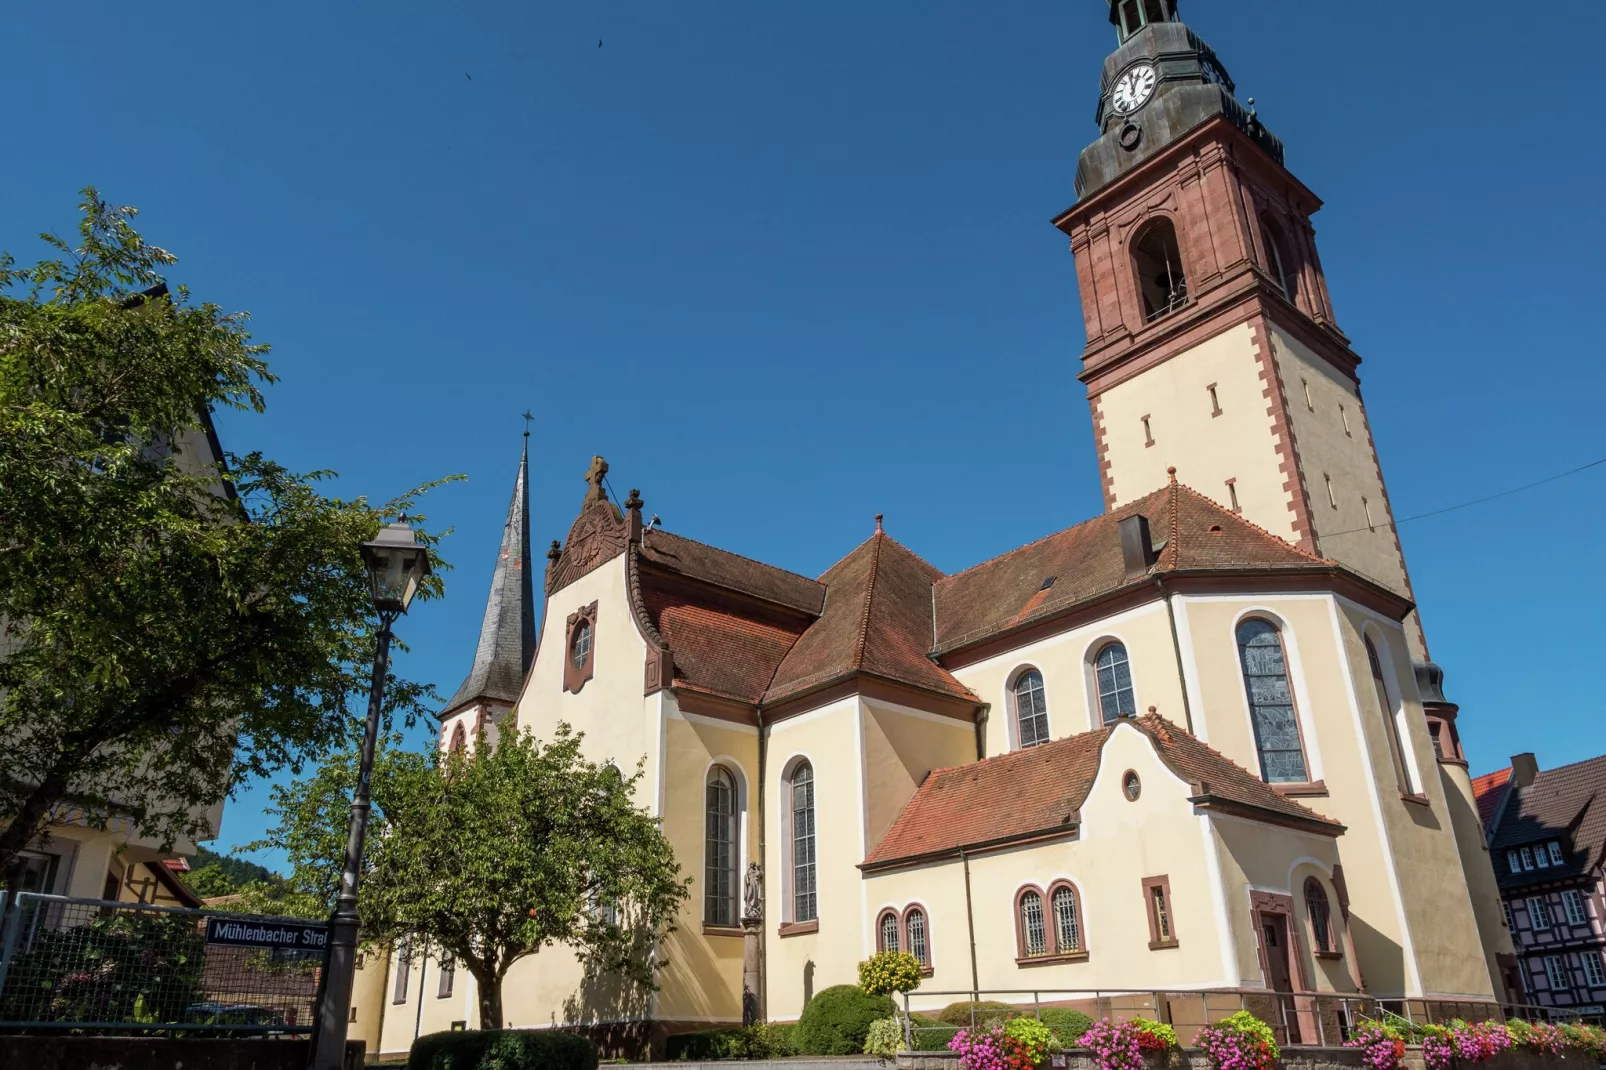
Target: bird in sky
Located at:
point(466, 75)
point(599, 42)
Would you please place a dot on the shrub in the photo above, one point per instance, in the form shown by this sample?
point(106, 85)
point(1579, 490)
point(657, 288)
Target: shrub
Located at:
point(987, 1012)
point(931, 1034)
point(1239, 1042)
point(887, 972)
point(1034, 1038)
point(885, 1038)
point(118, 968)
point(758, 1041)
point(837, 1020)
point(503, 1049)
point(1068, 1025)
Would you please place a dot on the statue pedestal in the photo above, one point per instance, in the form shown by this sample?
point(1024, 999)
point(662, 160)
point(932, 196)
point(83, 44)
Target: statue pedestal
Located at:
point(752, 984)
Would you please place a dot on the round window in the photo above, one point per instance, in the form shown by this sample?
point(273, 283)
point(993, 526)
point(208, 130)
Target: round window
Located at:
point(580, 644)
point(1131, 786)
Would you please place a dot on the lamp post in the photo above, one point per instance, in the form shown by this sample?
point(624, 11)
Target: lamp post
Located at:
point(397, 565)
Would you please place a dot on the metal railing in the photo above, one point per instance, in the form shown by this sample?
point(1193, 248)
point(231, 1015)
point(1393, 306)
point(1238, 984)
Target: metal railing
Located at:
point(1298, 1019)
point(91, 965)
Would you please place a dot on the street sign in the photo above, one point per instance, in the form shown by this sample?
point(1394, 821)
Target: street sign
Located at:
point(236, 932)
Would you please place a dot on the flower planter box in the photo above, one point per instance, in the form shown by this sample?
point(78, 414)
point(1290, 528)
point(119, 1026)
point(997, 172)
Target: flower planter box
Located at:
point(1301, 1058)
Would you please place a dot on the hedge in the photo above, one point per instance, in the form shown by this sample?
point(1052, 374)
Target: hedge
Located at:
point(987, 1012)
point(502, 1049)
point(753, 1042)
point(836, 1020)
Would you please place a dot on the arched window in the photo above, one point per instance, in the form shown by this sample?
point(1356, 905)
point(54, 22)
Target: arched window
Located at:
point(1280, 263)
point(1158, 260)
point(887, 936)
point(719, 848)
point(1271, 703)
point(1114, 677)
point(459, 738)
point(914, 929)
point(1033, 931)
point(1031, 709)
point(1391, 724)
point(1321, 916)
point(580, 644)
point(805, 901)
point(1067, 920)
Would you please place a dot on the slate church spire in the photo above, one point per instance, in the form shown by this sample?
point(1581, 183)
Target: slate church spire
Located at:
point(507, 634)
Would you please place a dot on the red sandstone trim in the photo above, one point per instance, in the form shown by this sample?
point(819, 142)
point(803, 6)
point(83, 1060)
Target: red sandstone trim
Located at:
point(1285, 443)
point(1101, 442)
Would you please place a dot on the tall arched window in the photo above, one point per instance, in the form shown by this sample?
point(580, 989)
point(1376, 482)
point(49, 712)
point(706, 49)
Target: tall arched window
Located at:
point(1033, 931)
point(1157, 258)
point(1114, 676)
point(1321, 916)
point(1271, 703)
point(1031, 709)
point(459, 738)
point(1067, 920)
point(1391, 724)
point(914, 929)
point(719, 848)
point(887, 937)
point(805, 900)
point(1279, 260)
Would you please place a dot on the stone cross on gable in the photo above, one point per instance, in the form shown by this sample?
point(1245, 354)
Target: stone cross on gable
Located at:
point(594, 476)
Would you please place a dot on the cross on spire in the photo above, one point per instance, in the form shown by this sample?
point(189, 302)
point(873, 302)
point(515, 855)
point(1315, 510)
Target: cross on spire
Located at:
point(527, 417)
point(594, 476)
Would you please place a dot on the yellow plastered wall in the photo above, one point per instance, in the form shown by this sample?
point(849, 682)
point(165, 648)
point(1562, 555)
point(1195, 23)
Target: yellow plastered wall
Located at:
point(1206, 449)
point(831, 740)
point(901, 746)
point(1069, 687)
point(702, 981)
point(1335, 449)
point(368, 997)
point(423, 1011)
point(1478, 866)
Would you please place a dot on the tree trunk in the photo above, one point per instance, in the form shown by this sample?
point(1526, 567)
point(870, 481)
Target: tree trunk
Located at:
point(29, 820)
point(488, 984)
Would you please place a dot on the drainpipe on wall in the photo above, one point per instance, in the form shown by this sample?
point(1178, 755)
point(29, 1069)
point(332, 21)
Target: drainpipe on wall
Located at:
point(763, 956)
point(423, 970)
point(981, 730)
point(1176, 646)
point(970, 924)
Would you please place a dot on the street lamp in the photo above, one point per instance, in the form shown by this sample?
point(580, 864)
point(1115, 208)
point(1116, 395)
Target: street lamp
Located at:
point(397, 565)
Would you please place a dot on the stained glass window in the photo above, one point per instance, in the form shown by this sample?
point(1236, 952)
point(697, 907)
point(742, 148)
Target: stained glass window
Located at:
point(805, 902)
point(1271, 703)
point(719, 849)
point(1031, 708)
point(1115, 683)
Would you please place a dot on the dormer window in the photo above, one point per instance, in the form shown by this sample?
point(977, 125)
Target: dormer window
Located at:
point(1157, 258)
point(1130, 16)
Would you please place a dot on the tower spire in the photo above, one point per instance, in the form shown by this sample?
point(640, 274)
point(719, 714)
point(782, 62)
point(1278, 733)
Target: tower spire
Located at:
point(507, 634)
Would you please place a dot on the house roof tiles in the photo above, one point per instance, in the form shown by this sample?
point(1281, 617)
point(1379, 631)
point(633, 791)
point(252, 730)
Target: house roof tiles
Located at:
point(1567, 804)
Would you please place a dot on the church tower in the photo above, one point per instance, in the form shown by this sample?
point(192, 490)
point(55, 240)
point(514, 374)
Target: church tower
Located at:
point(1212, 345)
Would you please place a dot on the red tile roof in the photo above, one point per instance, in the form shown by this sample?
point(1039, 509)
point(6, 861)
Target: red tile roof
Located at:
point(716, 648)
point(877, 620)
point(1040, 791)
point(1489, 789)
point(1191, 531)
point(721, 568)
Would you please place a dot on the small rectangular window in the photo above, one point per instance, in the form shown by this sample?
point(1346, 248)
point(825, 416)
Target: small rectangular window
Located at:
point(1556, 974)
point(1538, 912)
point(1527, 858)
point(1305, 385)
point(1343, 414)
point(1366, 506)
point(351, 1016)
point(404, 965)
point(1232, 495)
point(1555, 852)
point(1542, 858)
point(1162, 927)
point(1511, 921)
point(1594, 971)
point(1572, 901)
point(1162, 917)
point(1330, 499)
point(1513, 861)
point(1148, 434)
point(1215, 402)
point(448, 978)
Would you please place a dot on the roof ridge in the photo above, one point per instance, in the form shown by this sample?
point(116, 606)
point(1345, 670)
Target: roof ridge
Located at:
point(1240, 518)
point(940, 573)
point(733, 553)
point(1569, 765)
point(857, 661)
point(1051, 535)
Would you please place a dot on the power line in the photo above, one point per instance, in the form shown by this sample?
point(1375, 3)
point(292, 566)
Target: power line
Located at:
point(1478, 501)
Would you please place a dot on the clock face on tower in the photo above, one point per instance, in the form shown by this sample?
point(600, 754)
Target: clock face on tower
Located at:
point(1135, 88)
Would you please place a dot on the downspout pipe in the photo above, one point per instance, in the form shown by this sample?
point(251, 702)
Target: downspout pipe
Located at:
point(1176, 647)
point(970, 924)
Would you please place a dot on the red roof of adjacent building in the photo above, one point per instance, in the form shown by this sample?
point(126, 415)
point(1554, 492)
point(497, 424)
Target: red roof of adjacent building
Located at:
point(1489, 789)
point(1039, 792)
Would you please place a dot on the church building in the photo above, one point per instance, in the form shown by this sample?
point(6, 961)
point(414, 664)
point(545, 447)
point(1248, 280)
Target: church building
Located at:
point(1193, 743)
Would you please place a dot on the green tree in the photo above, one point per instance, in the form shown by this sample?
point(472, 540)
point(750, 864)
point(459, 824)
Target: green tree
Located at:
point(493, 857)
point(168, 626)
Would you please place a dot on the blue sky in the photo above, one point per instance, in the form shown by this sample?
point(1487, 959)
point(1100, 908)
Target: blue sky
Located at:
point(789, 265)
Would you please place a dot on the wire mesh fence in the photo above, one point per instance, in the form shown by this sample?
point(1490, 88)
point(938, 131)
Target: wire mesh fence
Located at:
point(90, 964)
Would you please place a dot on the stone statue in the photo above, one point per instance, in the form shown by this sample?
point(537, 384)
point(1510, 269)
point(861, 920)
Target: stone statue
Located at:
point(753, 892)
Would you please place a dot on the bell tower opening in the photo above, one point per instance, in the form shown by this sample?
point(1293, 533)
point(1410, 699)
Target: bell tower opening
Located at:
point(1130, 16)
point(1158, 261)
